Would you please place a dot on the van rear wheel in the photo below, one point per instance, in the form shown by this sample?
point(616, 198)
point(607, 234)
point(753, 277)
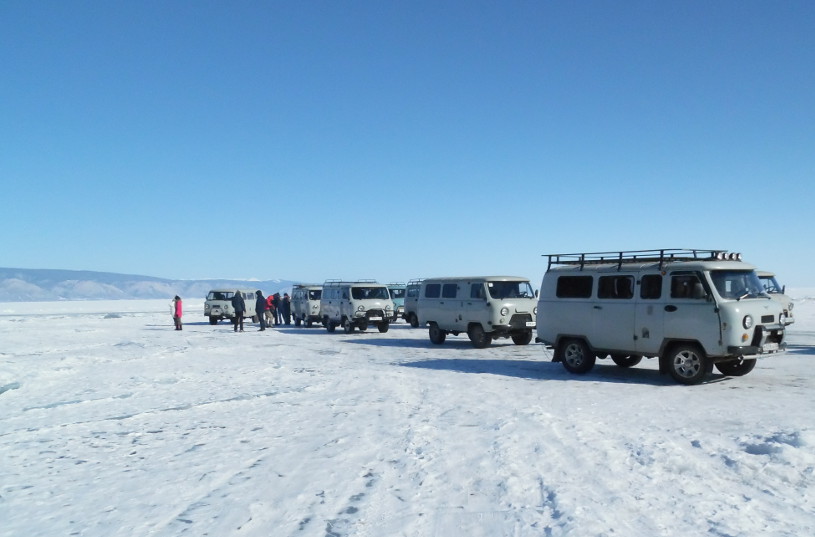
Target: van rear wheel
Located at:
point(437, 335)
point(478, 337)
point(348, 326)
point(413, 320)
point(736, 368)
point(576, 356)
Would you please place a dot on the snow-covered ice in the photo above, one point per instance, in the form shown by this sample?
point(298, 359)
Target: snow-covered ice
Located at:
point(113, 424)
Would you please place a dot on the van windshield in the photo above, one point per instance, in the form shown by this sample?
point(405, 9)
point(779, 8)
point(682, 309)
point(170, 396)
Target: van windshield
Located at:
point(220, 295)
point(366, 293)
point(315, 294)
point(770, 284)
point(737, 284)
point(397, 293)
point(503, 290)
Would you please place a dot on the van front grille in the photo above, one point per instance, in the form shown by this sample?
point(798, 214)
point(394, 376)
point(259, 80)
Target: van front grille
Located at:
point(519, 320)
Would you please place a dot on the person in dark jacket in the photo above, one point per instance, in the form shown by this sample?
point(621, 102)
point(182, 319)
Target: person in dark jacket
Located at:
point(278, 311)
point(260, 305)
point(239, 306)
point(286, 308)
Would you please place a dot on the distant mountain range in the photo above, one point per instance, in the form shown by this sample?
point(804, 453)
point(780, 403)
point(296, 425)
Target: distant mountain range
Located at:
point(25, 285)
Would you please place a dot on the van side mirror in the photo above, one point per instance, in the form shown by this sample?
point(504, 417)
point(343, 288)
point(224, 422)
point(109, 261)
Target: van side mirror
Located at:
point(537, 293)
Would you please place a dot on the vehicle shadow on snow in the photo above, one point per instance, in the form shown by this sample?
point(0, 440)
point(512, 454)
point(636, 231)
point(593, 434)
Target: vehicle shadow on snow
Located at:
point(801, 349)
point(537, 370)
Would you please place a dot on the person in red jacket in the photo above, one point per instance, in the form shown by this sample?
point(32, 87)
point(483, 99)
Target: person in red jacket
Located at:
point(177, 312)
point(269, 312)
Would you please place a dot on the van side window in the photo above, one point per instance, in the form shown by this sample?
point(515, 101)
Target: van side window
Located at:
point(615, 287)
point(651, 286)
point(433, 290)
point(477, 291)
point(449, 290)
point(574, 286)
point(686, 286)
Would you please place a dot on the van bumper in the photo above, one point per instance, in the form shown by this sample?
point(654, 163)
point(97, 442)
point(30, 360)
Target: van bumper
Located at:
point(751, 350)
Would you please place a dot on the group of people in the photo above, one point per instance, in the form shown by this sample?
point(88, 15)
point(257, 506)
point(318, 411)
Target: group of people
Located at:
point(274, 310)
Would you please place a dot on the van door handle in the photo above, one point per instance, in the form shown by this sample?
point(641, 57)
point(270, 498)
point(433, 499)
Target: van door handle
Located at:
point(670, 308)
point(598, 307)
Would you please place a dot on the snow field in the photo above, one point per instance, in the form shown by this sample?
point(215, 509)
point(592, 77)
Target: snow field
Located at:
point(113, 424)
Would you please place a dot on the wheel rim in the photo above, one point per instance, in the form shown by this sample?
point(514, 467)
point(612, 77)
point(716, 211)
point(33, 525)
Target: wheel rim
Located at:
point(687, 364)
point(573, 355)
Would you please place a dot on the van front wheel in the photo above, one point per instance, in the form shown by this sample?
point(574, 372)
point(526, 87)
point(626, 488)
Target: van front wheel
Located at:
point(478, 337)
point(576, 356)
point(736, 368)
point(688, 364)
point(523, 338)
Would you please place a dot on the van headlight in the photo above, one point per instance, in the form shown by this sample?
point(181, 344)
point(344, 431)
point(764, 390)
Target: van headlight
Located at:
point(535, 310)
point(387, 307)
point(504, 311)
point(747, 322)
point(361, 308)
point(790, 307)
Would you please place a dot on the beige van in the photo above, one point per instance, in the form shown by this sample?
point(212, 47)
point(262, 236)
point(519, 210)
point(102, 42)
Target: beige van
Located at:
point(483, 307)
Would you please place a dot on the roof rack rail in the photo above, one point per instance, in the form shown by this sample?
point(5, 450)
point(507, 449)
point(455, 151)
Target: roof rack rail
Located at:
point(660, 256)
point(345, 282)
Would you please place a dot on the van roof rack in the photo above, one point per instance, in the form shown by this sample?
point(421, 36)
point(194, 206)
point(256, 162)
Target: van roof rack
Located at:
point(346, 282)
point(660, 256)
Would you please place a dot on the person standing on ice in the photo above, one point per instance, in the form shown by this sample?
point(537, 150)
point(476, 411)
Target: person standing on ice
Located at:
point(260, 305)
point(269, 310)
point(240, 307)
point(177, 311)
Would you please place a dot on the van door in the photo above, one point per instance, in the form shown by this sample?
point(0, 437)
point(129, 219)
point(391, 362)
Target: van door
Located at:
point(687, 313)
point(649, 321)
point(613, 313)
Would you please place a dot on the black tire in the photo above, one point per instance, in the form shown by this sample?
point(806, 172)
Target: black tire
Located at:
point(626, 361)
point(254, 318)
point(213, 320)
point(523, 338)
point(413, 320)
point(576, 356)
point(437, 335)
point(688, 364)
point(296, 321)
point(736, 368)
point(309, 324)
point(330, 326)
point(348, 326)
point(478, 337)
point(383, 326)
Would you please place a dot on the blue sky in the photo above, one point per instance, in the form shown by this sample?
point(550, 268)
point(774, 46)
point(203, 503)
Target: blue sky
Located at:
point(394, 140)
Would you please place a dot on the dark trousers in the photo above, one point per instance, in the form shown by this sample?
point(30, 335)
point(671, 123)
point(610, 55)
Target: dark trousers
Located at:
point(238, 320)
point(177, 322)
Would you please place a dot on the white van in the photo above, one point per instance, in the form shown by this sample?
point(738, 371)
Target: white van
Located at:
point(357, 304)
point(776, 291)
point(411, 313)
point(397, 291)
point(218, 304)
point(305, 304)
point(692, 309)
point(483, 307)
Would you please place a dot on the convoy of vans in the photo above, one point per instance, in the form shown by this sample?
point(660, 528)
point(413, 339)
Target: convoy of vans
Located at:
point(218, 304)
point(692, 309)
point(483, 307)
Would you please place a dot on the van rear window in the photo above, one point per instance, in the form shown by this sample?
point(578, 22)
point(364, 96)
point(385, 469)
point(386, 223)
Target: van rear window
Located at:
point(574, 286)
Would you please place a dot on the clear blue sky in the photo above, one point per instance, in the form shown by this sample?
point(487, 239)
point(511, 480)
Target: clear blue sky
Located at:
point(393, 140)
